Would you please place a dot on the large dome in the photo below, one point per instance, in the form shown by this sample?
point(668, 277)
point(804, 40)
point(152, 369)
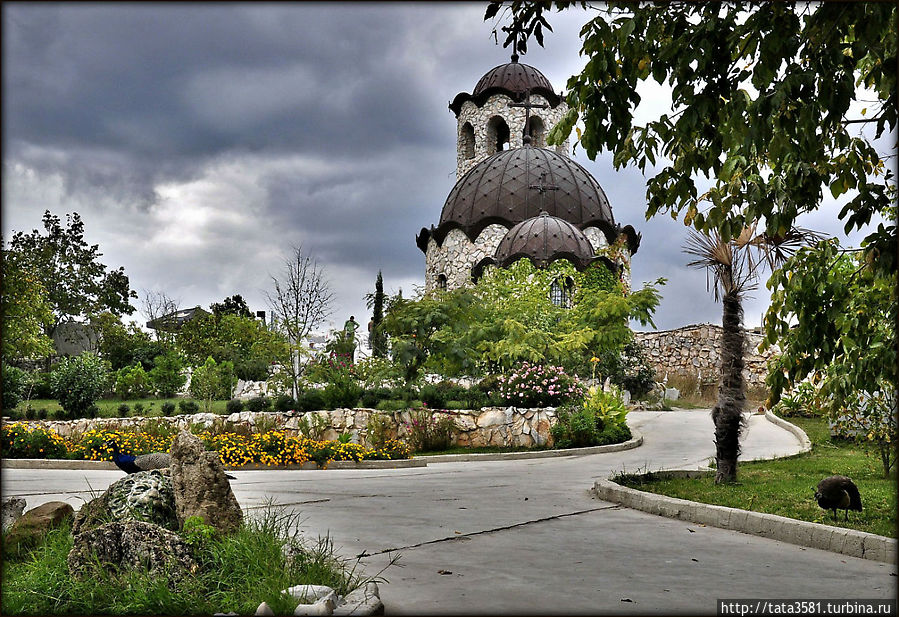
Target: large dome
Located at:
point(513, 79)
point(515, 185)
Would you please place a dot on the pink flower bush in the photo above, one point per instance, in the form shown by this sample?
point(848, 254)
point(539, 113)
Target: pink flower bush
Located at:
point(535, 385)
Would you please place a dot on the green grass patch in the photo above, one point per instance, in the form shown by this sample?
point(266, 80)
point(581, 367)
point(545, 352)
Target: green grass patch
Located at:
point(786, 487)
point(108, 408)
point(237, 572)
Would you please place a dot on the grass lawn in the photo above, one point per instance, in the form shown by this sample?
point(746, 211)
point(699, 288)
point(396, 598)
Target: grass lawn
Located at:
point(109, 407)
point(786, 487)
point(236, 573)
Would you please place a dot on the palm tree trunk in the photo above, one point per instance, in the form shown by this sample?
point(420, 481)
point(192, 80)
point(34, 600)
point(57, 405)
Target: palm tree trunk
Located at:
point(728, 412)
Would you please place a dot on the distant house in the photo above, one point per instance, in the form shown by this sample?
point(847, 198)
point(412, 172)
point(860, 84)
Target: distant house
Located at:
point(173, 321)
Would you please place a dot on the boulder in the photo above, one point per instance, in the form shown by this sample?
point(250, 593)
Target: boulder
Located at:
point(35, 523)
point(200, 486)
point(130, 545)
point(12, 510)
point(142, 496)
point(365, 600)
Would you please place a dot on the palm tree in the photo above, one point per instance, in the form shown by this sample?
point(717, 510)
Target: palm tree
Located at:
point(734, 267)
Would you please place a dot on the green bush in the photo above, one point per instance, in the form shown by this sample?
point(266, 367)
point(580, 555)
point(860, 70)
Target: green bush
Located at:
point(168, 408)
point(42, 413)
point(30, 413)
point(378, 430)
point(132, 382)
point(252, 369)
point(166, 375)
point(429, 431)
point(341, 394)
point(311, 400)
point(39, 381)
point(14, 382)
point(259, 403)
point(235, 405)
point(599, 420)
point(284, 402)
point(139, 409)
point(78, 382)
point(371, 397)
point(188, 407)
point(123, 410)
point(212, 381)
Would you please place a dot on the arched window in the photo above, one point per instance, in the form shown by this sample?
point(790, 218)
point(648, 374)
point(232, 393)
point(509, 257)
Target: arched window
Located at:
point(561, 291)
point(537, 131)
point(441, 281)
point(466, 141)
point(497, 135)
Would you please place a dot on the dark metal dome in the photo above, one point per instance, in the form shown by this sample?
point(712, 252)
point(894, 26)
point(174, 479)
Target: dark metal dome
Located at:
point(515, 185)
point(513, 79)
point(543, 240)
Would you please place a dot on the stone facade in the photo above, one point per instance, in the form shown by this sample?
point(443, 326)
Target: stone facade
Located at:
point(498, 106)
point(694, 352)
point(491, 426)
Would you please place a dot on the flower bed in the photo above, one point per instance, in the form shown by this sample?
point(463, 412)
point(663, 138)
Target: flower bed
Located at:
point(272, 448)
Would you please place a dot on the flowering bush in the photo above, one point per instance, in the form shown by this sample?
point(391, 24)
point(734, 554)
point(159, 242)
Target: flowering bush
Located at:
point(599, 420)
point(235, 450)
point(534, 385)
point(430, 430)
point(22, 441)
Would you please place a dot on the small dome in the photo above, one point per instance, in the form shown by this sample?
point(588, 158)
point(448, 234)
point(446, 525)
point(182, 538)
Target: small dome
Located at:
point(513, 79)
point(543, 239)
point(514, 185)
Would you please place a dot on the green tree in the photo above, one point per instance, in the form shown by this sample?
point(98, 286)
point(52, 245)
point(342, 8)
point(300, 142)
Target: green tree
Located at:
point(25, 311)
point(78, 382)
point(212, 381)
point(763, 107)
point(123, 345)
point(233, 305)
point(834, 317)
point(166, 375)
point(377, 338)
point(227, 337)
point(78, 285)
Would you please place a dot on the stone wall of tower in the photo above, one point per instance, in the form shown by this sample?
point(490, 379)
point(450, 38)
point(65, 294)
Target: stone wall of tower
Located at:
point(498, 105)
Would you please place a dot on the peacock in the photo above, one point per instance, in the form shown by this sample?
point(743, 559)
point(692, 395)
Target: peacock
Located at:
point(838, 492)
point(129, 463)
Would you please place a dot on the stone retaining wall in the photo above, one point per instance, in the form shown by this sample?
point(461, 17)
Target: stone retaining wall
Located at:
point(491, 426)
point(694, 353)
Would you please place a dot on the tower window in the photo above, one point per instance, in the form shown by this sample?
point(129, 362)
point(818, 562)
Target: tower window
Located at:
point(441, 281)
point(466, 141)
point(561, 291)
point(497, 135)
point(537, 131)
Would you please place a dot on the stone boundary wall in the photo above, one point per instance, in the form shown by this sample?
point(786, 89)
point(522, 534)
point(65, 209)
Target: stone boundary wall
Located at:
point(491, 426)
point(694, 352)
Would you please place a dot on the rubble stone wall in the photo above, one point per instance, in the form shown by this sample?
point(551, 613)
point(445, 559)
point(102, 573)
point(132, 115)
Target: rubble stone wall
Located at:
point(491, 426)
point(694, 352)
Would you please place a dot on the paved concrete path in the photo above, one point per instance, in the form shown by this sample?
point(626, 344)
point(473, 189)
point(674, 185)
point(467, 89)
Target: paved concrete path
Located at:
point(526, 536)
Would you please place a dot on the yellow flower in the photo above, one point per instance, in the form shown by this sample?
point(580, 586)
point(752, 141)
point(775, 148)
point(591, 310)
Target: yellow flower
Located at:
point(594, 359)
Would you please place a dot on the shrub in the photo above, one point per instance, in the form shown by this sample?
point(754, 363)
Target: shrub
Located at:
point(132, 382)
point(475, 398)
point(313, 426)
point(168, 408)
point(30, 413)
point(78, 382)
point(212, 381)
point(139, 408)
point(802, 401)
point(341, 394)
point(188, 407)
point(166, 375)
point(599, 420)
point(378, 430)
point(235, 405)
point(432, 396)
point(311, 400)
point(20, 441)
point(42, 413)
point(259, 403)
point(371, 397)
point(14, 382)
point(252, 369)
point(39, 381)
point(284, 402)
point(489, 386)
point(608, 408)
point(123, 410)
point(534, 385)
point(430, 430)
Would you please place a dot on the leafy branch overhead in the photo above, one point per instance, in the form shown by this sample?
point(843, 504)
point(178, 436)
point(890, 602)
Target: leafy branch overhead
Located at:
point(771, 104)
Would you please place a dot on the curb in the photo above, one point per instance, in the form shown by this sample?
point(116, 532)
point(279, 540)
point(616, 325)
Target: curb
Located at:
point(635, 441)
point(814, 535)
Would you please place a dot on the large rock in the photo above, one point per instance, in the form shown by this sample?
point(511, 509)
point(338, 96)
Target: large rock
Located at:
point(12, 510)
point(35, 523)
point(200, 486)
point(142, 496)
point(130, 545)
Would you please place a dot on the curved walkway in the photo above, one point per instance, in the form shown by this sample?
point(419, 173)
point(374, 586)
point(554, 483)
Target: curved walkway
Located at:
point(525, 536)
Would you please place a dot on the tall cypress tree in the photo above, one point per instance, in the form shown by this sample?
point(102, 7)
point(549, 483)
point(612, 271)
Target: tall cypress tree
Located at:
point(378, 342)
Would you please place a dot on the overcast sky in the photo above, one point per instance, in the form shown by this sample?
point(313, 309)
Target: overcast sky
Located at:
point(200, 142)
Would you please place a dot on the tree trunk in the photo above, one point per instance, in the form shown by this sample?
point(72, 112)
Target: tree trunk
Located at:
point(728, 412)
